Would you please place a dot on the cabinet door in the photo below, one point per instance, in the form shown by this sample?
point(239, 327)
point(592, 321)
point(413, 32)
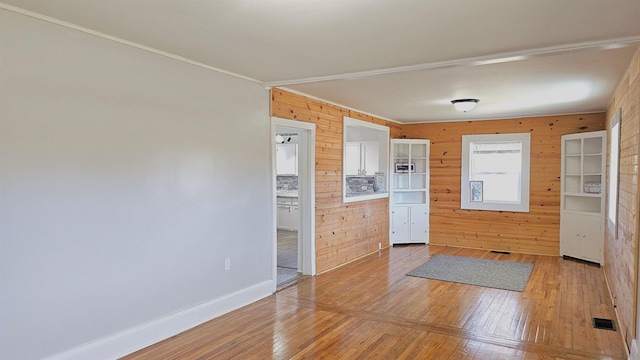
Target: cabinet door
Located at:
point(370, 158)
point(399, 224)
point(287, 159)
point(592, 238)
point(352, 159)
point(581, 236)
point(294, 217)
point(282, 217)
point(570, 232)
point(419, 224)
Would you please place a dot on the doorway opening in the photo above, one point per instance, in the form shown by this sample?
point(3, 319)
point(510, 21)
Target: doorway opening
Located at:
point(294, 200)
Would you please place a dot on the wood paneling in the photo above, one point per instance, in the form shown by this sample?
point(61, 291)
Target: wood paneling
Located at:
point(344, 232)
point(535, 232)
point(621, 253)
point(369, 309)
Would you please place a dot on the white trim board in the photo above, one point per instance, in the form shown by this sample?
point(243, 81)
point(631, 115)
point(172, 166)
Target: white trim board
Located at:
point(307, 194)
point(129, 341)
point(635, 350)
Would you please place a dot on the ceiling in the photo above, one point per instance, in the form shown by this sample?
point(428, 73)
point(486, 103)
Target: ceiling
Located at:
point(402, 60)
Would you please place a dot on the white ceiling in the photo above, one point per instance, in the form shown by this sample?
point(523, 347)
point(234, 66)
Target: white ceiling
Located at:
point(403, 60)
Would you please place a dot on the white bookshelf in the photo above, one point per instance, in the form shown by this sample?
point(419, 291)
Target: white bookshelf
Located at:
point(582, 201)
point(409, 191)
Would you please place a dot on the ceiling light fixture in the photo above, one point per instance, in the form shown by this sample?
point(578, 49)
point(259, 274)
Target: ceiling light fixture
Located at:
point(465, 105)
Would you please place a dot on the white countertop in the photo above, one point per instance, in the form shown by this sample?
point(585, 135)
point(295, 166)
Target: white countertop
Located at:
point(287, 193)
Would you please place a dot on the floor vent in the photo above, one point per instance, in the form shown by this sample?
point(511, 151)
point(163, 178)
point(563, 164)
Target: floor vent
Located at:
point(500, 252)
point(605, 324)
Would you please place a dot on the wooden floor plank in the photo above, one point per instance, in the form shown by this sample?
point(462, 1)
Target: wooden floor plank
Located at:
point(369, 309)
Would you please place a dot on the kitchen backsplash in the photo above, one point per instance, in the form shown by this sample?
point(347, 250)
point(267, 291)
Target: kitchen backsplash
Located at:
point(286, 182)
point(359, 185)
point(356, 185)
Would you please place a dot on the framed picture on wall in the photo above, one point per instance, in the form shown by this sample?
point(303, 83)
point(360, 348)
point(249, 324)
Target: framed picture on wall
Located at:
point(476, 191)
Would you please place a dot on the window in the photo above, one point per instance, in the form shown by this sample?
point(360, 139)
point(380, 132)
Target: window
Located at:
point(365, 160)
point(495, 172)
point(613, 172)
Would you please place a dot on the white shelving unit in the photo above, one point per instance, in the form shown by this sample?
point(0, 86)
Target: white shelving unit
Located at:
point(582, 202)
point(409, 192)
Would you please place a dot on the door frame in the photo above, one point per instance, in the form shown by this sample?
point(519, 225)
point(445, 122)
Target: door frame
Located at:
point(306, 195)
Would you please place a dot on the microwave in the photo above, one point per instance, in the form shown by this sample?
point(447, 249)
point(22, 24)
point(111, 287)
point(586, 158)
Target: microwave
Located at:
point(405, 168)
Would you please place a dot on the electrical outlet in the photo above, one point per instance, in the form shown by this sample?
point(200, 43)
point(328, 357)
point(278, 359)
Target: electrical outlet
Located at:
point(227, 264)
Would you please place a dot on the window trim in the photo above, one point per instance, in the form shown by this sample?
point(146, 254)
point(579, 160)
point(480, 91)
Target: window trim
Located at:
point(614, 184)
point(465, 196)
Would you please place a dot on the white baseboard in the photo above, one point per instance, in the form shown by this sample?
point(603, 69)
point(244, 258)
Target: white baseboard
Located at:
point(137, 338)
point(635, 350)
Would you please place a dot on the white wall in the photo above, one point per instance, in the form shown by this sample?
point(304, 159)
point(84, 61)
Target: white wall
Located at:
point(126, 179)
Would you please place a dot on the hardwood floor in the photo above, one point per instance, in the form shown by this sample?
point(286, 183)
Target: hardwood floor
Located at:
point(288, 249)
point(369, 309)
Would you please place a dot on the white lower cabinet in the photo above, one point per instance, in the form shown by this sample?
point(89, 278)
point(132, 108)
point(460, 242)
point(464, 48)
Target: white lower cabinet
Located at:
point(409, 224)
point(419, 224)
point(582, 236)
point(283, 217)
point(399, 224)
point(287, 213)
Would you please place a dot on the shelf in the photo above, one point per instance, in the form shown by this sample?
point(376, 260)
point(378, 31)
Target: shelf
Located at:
point(582, 212)
point(410, 188)
point(592, 195)
point(404, 157)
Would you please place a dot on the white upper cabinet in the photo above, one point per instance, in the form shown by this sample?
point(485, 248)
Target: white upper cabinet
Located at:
point(287, 159)
point(362, 158)
point(352, 159)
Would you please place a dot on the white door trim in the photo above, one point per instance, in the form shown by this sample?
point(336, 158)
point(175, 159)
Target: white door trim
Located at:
point(306, 194)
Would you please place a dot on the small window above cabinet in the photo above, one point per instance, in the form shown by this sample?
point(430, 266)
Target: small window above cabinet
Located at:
point(287, 159)
point(365, 160)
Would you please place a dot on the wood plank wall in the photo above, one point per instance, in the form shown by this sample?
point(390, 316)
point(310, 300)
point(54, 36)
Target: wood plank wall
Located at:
point(535, 232)
point(621, 253)
point(344, 232)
